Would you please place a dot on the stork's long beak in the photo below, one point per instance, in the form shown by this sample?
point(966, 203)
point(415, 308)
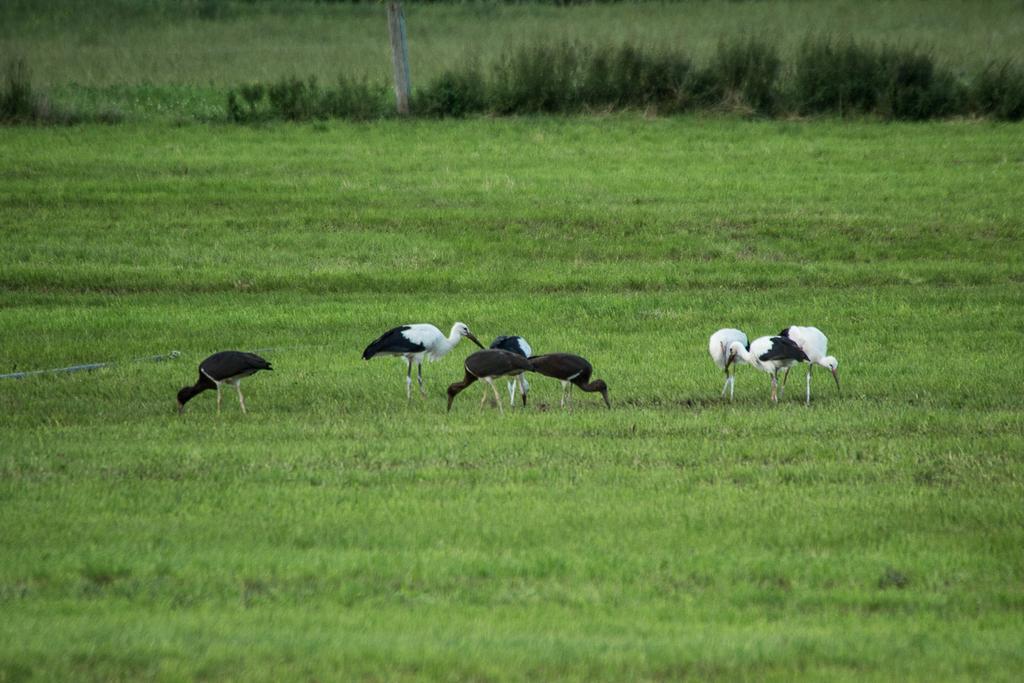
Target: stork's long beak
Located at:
point(473, 338)
point(451, 398)
point(181, 408)
point(607, 402)
point(835, 376)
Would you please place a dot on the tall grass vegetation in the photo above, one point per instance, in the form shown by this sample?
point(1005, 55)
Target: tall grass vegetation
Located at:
point(21, 103)
point(828, 76)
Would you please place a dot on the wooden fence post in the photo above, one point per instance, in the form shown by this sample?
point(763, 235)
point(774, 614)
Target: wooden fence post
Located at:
point(399, 56)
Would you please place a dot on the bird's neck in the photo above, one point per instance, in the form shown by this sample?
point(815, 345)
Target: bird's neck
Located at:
point(188, 393)
point(453, 338)
point(741, 352)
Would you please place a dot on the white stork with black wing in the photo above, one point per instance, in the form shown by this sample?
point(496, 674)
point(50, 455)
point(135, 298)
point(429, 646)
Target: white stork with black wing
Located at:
point(814, 343)
point(416, 342)
point(768, 354)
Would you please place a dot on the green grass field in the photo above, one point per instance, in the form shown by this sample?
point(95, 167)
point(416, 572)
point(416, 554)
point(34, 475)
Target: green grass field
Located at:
point(336, 532)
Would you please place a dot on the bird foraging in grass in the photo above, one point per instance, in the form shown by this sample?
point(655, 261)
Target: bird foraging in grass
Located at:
point(414, 343)
point(814, 343)
point(572, 371)
point(718, 346)
point(486, 365)
point(225, 367)
point(768, 354)
point(518, 346)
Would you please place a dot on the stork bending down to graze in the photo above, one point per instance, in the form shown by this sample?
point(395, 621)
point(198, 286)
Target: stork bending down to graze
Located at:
point(768, 354)
point(571, 370)
point(814, 343)
point(413, 342)
point(718, 346)
point(518, 346)
point(487, 365)
point(226, 367)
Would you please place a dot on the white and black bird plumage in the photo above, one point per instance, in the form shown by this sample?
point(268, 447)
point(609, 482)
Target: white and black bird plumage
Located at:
point(572, 370)
point(224, 367)
point(487, 365)
point(517, 345)
point(768, 354)
point(814, 343)
point(718, 347)
point(416, 342)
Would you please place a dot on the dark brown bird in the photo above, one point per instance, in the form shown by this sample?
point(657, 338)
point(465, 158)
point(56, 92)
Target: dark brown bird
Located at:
point(518, 345)
point(225, 367)
point(487, 365)
point(571, 370)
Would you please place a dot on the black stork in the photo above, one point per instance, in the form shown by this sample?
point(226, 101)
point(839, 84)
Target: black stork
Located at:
point(768, 354)
point(571, 370)
point(487, 365)
point(414, 342)
point(519, 346)
point(225, 367)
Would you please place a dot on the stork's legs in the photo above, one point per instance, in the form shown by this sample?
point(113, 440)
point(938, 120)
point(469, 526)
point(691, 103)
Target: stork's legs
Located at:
point(408, 379)
point(809, 368)
point(730, 384)
point(241, 399)
point(218, 397)
point(419, 376)
point(775, 384)
point(522, 387)
point(512, 393)
point(782, 389)
point(484, 397)
point(497, 398)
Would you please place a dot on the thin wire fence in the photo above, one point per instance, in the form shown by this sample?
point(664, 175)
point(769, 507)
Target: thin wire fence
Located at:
point(171, 356)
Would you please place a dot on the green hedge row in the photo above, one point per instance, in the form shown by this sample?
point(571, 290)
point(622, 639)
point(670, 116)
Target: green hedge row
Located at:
point(746, 76)
point(826, 77)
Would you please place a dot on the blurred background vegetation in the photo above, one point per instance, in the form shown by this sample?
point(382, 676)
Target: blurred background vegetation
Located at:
point(109, 59)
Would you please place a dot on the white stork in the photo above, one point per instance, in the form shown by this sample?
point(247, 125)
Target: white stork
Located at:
point(413, 343)
point(718, 346)
point(768, 354)
point(814, 343)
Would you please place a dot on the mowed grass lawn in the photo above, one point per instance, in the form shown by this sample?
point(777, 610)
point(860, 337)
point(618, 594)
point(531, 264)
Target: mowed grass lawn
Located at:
point(337, 532)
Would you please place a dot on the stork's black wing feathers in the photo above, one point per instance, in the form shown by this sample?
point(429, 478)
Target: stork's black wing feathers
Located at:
point(232, 363)
point(784, 333)
point(784, 348)
point(496, 362)
point(508, 343)
point(392, 341)
point(563, 366)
